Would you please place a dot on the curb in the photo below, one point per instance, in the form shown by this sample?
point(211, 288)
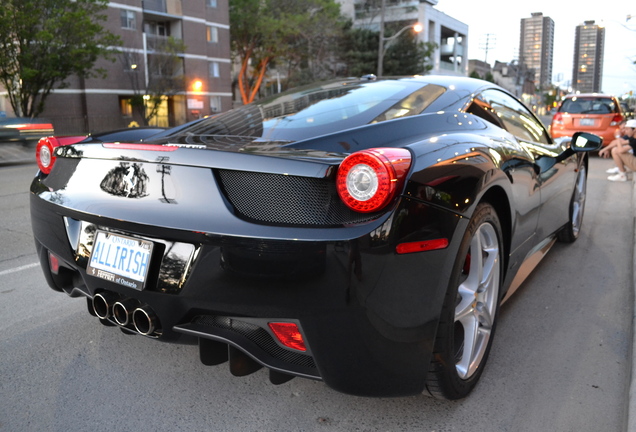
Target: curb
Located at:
point(631, 406)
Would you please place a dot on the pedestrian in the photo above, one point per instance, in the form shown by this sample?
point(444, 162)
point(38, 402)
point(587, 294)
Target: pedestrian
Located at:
point(622, 150)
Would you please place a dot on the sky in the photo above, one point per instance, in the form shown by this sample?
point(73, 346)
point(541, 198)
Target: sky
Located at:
point(502, 20)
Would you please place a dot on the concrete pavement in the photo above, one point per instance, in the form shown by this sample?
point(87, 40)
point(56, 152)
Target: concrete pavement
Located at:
point(11, 153)
point(14, 153)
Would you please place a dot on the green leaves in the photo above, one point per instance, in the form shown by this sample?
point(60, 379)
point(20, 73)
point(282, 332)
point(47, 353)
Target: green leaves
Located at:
point(264, 31)
point(44, 42)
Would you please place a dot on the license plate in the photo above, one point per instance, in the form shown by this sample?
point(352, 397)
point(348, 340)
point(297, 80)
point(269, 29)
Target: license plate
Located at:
point(120, 259)
point(587, 122)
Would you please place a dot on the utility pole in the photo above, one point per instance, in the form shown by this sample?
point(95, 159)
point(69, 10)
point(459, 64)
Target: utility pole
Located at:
point(488, 42)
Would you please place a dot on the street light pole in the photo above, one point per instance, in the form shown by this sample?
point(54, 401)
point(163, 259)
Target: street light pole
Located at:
point(382, 46)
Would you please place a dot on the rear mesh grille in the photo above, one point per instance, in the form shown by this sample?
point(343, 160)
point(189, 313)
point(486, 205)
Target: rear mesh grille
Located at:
point(259, 337)
point(287, 200)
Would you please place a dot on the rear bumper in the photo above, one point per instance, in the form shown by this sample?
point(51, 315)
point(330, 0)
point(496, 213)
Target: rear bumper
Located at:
point(368, 316)
point(607, 134)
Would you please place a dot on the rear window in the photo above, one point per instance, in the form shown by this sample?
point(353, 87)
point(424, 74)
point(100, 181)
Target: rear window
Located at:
point(588, 105)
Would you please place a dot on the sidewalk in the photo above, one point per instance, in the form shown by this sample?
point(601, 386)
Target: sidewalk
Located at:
point(16, 153)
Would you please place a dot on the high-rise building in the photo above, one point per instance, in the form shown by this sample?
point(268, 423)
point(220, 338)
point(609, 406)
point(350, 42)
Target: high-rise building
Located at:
point(589, 44)
point(536, 47)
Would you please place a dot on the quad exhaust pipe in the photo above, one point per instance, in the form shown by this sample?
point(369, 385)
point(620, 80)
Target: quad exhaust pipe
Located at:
point(145, 320)
point(103, 304)
point(126, 313)
point(123, 310)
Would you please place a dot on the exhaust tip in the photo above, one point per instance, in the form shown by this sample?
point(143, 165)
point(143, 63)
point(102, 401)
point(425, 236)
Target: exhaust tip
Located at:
point(122, 311)
point(102, 304)
point(145, 320)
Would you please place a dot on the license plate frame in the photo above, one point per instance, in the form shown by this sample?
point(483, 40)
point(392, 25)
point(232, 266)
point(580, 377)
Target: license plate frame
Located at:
point(121, 259)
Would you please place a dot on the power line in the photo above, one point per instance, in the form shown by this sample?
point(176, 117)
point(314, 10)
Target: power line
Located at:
point(488, 41)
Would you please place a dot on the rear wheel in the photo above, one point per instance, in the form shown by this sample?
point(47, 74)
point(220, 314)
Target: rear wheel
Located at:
point(469, 314)
point(570, 232)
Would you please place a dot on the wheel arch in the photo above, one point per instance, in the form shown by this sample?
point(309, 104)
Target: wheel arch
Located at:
point(496, 196)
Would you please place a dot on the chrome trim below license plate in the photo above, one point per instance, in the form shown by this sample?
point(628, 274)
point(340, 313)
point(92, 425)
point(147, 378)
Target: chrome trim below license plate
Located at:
point(120, 259)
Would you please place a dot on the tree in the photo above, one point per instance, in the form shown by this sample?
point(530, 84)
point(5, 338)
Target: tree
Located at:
point(404, 56)
point(262, 31)
point(408, 56)
point(312, 54)
point(43, 42)
point(359, 51)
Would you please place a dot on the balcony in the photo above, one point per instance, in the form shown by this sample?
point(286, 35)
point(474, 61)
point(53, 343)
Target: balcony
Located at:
point(169, 7)
point(158, 44)
point(449, 49)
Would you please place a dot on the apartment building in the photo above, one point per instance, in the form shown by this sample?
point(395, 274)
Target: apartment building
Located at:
point(195, 79)
point(536, 47)
point(589, 44)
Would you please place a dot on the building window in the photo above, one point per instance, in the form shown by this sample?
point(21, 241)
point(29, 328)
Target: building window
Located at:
point(212, 3)
point(128, 20)
point(125, 106)
point(214, 70)
point(213, 34)
point(215, 104)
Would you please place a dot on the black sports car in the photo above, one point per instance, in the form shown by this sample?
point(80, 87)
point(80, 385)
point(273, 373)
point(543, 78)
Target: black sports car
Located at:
point(359, 232)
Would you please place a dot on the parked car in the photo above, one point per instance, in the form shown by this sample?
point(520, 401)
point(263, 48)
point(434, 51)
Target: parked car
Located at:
point(24, 130)
point(628, 112)
point(358, 232)
point(595, 113)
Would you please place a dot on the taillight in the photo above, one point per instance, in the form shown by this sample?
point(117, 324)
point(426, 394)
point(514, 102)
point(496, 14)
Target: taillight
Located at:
point(45, 154)
point(558, 118)
point(45, 150)
point(368, 180)
point(289, 335)
point(618, 118)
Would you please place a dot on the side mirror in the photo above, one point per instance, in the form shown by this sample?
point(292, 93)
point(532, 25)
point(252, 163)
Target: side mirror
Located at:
point(581, 142)
point(585, 142)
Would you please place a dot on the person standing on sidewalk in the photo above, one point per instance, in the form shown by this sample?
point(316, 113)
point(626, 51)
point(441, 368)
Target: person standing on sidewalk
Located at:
point(622, 150)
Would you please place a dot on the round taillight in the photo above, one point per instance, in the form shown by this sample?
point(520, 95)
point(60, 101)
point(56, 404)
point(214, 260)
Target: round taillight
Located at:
point(44, 154)
point(368, 180)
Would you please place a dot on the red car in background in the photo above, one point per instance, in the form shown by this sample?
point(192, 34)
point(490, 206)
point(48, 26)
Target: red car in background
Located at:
point(592, 112)
point(24, 130)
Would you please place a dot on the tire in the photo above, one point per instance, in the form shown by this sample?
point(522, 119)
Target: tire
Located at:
point(570, 232)
point(470, 309)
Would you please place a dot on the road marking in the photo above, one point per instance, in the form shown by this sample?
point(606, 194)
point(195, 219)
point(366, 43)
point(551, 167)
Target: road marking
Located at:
point(17, 269)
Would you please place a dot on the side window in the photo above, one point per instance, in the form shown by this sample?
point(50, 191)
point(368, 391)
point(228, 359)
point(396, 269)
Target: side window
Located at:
point(516, 118)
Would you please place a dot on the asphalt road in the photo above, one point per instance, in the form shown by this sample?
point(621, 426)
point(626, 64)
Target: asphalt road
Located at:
point(560, 360)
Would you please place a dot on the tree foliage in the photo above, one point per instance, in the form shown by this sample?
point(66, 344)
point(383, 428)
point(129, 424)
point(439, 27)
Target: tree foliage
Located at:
point(408, 56)
point(43, 42)
point(404, 56)
point(264, 31)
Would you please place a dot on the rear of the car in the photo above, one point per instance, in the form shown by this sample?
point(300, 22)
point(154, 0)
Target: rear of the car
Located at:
point(287, 235)
point(242, 250)
point(594, 113)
